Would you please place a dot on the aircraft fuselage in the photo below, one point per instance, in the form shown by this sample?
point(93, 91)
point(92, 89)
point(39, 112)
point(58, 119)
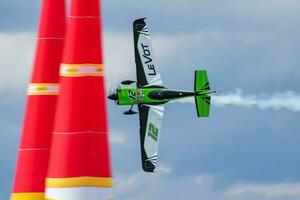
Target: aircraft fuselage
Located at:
point(151, 95)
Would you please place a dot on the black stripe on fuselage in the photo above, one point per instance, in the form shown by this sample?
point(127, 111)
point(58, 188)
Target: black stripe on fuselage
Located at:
point(170, 94)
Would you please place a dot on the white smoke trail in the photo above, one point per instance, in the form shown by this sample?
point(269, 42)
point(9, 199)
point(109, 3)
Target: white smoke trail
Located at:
point(281, 100)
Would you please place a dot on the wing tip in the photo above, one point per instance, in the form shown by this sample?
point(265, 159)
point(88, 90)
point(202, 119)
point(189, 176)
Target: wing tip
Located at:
point(140, 19)
point(148, 167)
point(140, 22)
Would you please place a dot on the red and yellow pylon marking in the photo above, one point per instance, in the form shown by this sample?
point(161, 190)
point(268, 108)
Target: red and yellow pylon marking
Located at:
point(43, 89)
point(28, 196)
point(78, 182)
point(79, 70)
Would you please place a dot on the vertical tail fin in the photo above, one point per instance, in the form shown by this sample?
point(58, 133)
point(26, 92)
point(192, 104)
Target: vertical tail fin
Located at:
point(201, 81)
point(203, 105)
point(202, 87)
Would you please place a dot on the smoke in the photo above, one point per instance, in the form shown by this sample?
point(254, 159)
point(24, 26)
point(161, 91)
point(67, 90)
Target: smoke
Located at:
point(288, 100)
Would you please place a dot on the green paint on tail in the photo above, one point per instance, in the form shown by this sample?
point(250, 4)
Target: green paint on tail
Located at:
point(202, 87)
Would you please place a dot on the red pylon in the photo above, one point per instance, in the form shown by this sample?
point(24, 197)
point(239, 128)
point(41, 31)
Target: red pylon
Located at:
point(80, 161)
point(32, 164)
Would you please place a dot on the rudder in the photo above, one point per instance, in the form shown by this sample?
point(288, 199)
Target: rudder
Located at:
point(203, 105)
point(201, 81)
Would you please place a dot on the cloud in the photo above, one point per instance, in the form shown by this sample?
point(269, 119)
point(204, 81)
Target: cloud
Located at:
point(189, 16)
point(119, 57)
point(289, 190)
point(131, 182)
point(197, 14)
point(164, 169)
point(141, 185)
point(117, 138)
point(10, 126)
point(125, 183)
point(16, 52)
point(204, 179)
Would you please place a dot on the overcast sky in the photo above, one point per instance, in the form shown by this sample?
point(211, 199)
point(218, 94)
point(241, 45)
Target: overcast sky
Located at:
point(242, 152)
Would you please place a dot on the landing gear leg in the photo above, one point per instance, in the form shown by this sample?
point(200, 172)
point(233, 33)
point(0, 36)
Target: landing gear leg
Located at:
point(130, 111)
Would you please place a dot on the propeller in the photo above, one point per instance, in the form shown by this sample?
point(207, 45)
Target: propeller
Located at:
point(109, 88)
point(112, 94)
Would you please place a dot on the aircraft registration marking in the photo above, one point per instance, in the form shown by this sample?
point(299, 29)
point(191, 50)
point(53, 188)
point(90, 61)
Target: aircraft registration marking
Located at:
point(153, 132)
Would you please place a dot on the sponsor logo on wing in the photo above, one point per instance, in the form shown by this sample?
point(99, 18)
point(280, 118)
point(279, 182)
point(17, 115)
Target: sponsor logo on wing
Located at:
point(153, 159)
point(144, 31)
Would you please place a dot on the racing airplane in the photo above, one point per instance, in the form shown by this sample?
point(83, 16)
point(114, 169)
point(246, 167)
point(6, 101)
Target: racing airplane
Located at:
point(150, 95)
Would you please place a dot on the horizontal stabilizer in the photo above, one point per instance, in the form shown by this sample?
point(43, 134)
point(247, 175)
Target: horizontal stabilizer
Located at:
point(203, 105)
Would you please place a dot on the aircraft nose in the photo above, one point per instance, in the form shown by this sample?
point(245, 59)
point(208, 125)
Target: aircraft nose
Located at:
point(113, 97)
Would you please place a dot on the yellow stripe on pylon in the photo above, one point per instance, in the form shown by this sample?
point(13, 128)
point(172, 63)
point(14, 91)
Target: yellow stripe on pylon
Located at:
point(27, 196)
point(78, 182)
point(80, 70)
point(43, 89)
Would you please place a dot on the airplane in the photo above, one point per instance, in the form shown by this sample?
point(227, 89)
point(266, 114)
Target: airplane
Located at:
point(150, 95)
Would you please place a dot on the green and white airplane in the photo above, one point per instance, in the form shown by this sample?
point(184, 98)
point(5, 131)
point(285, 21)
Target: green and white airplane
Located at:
point(150, 95)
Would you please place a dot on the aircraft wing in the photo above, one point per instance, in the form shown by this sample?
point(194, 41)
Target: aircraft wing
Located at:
point(150, 126)
point(146, 68)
